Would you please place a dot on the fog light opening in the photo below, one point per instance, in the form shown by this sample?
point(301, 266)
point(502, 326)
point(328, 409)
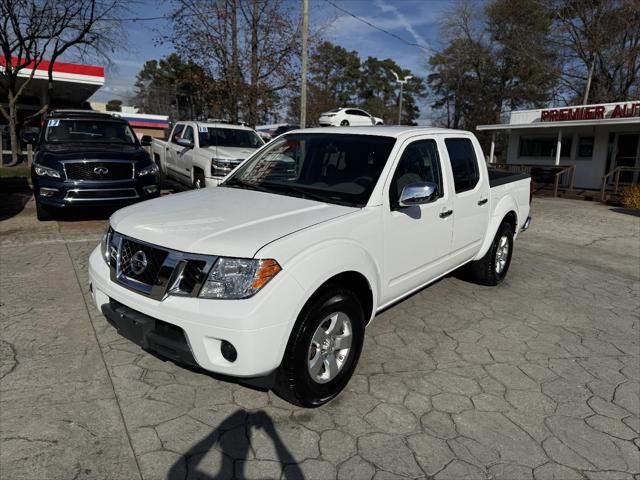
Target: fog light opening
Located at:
point(151, 188)
point(228, 351)
point(48, 192)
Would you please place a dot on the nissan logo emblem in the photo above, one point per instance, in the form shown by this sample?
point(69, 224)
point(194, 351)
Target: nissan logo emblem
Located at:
point(138, 262)
point(101, 170)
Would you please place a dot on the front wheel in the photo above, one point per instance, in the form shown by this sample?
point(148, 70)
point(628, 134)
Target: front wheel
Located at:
point(323, 349)
point(43, 213)
point(493, 267)
point(198, 180)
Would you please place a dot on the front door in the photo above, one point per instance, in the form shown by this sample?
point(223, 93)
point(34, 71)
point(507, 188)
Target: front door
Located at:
point(417, 238)
point(627, 154)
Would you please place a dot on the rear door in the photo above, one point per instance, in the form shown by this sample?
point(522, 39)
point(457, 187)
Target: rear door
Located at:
point(358, 117)
point(417, 239)
point(470, 196)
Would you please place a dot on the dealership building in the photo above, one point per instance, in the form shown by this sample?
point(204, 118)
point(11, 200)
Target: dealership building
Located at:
point(582, 143)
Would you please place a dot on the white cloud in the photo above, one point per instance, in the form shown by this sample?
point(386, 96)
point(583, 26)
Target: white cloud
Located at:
point(403, 22)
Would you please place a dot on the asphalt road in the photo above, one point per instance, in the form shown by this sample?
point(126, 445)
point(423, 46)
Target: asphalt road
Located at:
point(537, 378)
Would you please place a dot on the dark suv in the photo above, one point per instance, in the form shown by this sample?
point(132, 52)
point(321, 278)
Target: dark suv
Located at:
point(86, 158)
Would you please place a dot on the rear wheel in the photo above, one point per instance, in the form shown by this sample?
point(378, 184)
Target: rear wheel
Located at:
point(493, 267)
point(323, 349)
point(344, 123)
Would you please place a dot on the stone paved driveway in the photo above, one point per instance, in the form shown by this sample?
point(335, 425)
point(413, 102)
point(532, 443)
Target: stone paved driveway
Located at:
point(538, 378)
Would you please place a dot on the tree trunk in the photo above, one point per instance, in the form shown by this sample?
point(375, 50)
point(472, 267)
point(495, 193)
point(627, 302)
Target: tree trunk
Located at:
point(13, 129)
point(253, 98)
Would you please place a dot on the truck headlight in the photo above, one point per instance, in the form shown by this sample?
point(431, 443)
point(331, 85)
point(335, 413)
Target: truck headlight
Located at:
point(150, 170)
point(105, 244)
point(235, 278)
point(220, 167)
point(42, 171)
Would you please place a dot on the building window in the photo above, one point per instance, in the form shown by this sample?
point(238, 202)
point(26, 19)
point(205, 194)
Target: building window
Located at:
point(544, 147)
point(585, 147)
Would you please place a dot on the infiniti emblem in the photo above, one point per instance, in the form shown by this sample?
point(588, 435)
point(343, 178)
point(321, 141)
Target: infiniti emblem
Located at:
point(101, 170)
point(138, 262)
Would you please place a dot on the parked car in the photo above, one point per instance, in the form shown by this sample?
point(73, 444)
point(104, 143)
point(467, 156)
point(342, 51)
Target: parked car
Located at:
point(343, 117)
point(273, 276)
point(84, 158)
point(200, 154)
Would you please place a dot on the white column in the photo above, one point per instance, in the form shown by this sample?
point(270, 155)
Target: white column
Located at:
point(559, 146)
point(493, 146)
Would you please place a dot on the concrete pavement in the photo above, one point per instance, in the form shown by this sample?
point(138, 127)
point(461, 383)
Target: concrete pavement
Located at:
point(538, 378)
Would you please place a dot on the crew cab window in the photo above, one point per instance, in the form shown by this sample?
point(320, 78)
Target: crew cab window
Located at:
point(464, 163)
point(419, 163)
point(177, 131)
point(228, 137)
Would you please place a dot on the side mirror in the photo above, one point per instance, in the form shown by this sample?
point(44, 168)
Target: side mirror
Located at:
point(145, 141)
point(30, 138)
point(418, 193)
point(185, 142)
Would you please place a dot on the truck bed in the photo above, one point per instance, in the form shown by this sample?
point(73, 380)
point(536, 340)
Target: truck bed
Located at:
point(500, 177)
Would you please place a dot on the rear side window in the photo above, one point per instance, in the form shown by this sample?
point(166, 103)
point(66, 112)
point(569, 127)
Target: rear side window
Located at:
point(464, 163)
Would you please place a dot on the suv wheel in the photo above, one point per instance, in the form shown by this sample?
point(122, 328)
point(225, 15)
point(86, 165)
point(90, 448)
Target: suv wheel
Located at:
point(323, 349)
point(493, 267)
point(43, 213)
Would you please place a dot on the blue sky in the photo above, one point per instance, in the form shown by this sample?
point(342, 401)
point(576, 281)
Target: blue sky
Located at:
point(417, 21)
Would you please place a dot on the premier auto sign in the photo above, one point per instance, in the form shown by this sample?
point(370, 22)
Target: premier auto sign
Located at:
point(591, 112)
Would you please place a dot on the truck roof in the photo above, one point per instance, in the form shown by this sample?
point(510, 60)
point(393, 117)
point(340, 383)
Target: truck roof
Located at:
point(216, 124)
point(382, 130)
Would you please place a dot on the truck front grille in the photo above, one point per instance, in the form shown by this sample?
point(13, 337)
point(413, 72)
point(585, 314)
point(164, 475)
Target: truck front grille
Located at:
point(95, 170)
point(156, 271)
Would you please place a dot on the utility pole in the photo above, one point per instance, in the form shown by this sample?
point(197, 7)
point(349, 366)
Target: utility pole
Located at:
point(303, 83)
point(401, 82)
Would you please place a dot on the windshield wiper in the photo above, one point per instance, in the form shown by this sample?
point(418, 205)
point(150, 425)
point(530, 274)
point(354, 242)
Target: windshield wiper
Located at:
point(247, 185)
point(304, 193)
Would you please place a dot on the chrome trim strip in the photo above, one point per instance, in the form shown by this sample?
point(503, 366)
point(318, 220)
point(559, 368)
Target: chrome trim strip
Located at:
point(93, 199)
point(168, 274)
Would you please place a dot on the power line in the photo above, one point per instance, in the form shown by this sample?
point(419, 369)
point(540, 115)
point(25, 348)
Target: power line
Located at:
point(380, 29)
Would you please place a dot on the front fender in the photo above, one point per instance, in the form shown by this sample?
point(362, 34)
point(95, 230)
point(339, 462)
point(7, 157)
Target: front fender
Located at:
point(313, 267)
point(505, 205)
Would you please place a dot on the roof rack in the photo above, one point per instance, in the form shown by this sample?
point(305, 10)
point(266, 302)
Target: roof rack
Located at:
point(81, 113)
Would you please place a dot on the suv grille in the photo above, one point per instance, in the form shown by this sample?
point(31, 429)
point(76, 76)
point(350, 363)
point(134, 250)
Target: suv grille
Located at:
point(156, 271)
point(97, 171)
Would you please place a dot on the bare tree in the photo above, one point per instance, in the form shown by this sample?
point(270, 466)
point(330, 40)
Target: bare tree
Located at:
point(249, 46)
point(32, 31)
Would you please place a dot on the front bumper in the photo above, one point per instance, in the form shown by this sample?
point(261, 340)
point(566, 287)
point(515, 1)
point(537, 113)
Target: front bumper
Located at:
point(70, 194)
point(258, 327)
point(213, 181)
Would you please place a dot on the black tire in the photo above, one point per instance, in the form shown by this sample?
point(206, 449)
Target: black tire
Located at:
point(486, 270)
point(344, 123)
point(43, 213)
point(294, 382)
point(198, 180)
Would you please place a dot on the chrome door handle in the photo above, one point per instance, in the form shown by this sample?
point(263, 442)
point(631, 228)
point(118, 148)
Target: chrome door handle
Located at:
point(446, 213)
point(483, 201)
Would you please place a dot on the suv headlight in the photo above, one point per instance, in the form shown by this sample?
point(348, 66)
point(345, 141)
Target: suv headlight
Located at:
point(235, 278)
point(42, 171)
point(105, 244)
point(150, 170)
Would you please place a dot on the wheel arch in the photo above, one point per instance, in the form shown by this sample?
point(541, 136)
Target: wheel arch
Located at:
point(506, 211)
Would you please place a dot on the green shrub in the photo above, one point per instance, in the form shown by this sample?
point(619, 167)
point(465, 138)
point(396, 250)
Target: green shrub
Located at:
point(630, 197)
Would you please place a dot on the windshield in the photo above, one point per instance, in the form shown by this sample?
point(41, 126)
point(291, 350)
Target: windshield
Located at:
point(88, 131)
point(328, 167)
point(228, 137)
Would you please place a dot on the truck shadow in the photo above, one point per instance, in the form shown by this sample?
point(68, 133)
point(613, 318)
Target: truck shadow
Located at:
point(15, 193)
point(235, 449)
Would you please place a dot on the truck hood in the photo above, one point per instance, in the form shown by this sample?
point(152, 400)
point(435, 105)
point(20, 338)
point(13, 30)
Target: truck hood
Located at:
point(231, 153)
point(221, 221)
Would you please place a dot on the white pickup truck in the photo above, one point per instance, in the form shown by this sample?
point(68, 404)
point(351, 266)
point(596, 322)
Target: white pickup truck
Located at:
point(200, 154)
point(275, 274)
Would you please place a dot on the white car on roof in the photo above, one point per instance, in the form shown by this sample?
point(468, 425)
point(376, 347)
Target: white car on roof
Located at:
point(344, 117)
